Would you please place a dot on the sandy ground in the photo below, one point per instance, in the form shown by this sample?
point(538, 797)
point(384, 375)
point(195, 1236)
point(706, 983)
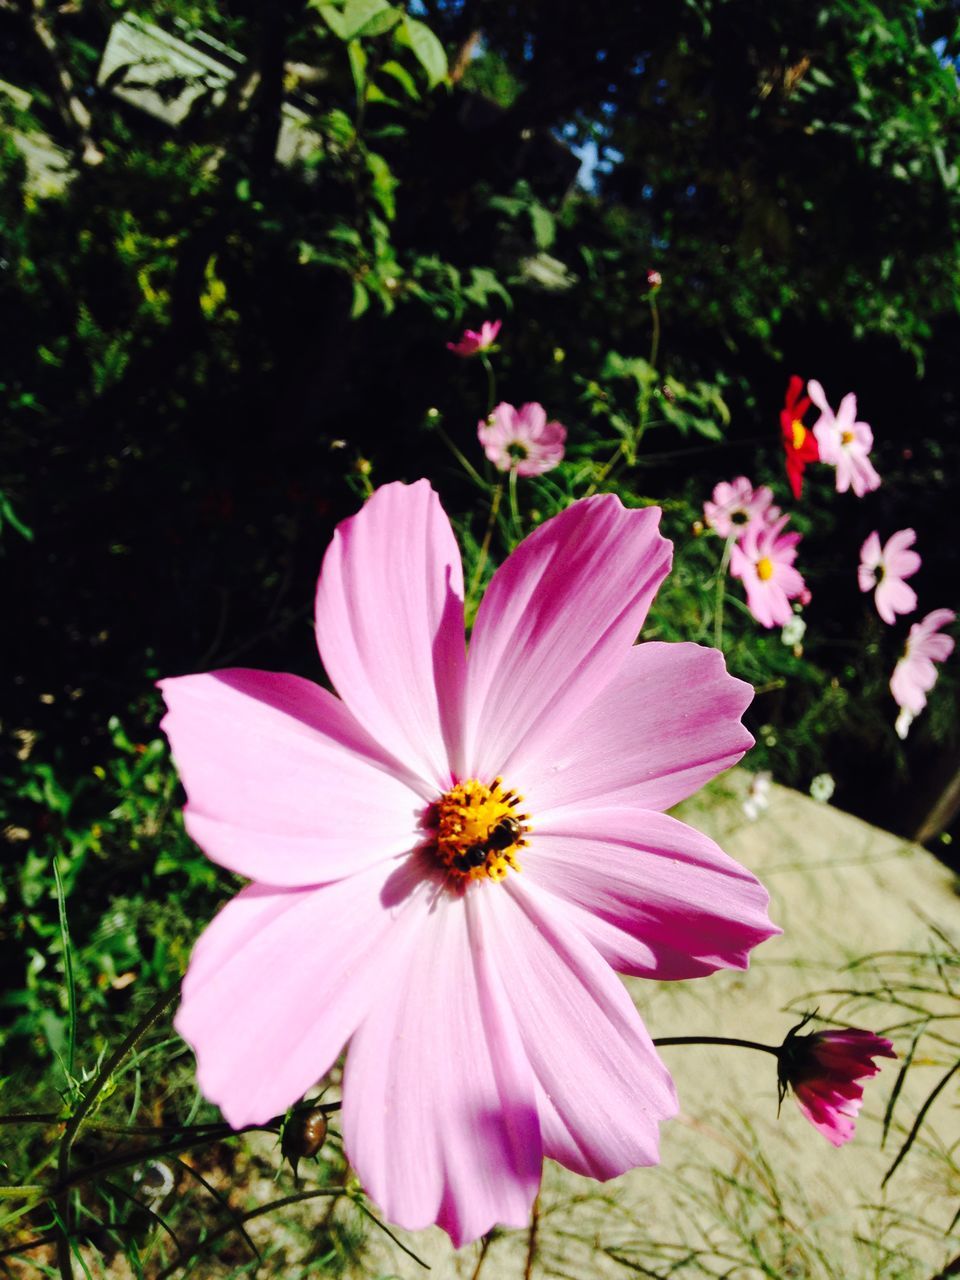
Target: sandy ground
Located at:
point(754, 1194)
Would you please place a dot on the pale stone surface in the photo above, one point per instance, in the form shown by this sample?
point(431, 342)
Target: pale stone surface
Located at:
point(737, 1183)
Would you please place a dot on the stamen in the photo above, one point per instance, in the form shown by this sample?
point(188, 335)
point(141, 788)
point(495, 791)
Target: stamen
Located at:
point(764, 568)
point(477, 832)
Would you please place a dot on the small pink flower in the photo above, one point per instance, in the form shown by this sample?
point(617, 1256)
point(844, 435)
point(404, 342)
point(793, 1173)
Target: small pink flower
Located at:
point(844, 443)
point(915, 675)
point(407, 900)
point(885, 568)
point(735, 504)
point(822, 1069)
point(522, 439)
point(763, 561)
point(472, 343)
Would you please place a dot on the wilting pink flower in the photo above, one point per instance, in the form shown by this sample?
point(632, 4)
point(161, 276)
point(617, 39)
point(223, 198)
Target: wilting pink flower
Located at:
point(763, 561)
point(885, 568)
point(822, 1069)
point(915, 675)
point(735, 504)
point(472, 342)
point(522, 439)
point(844, 443)
point(408, 900)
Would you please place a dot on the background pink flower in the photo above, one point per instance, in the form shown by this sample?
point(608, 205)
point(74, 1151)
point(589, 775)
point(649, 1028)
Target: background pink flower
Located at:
point(844, 443)
point(406, 900)
point(735, 503)
point(823, 1069)
point(763, 561)
point(522, 439)
point(915, 674)
point(885, 568)
point(472, 342)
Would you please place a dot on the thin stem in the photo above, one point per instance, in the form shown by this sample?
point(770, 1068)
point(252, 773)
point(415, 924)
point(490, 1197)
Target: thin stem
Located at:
point(514, 508)
point(491, 381)
point(721, 579)
point(68, 978)
point(470, 469)
point(487, 537)
point(655, 337)
point(659, 1041)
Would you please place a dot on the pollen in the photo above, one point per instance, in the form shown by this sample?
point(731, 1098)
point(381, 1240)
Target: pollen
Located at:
point(799, 433)
point(479, 830)
point(846, 437)
point(765, 569)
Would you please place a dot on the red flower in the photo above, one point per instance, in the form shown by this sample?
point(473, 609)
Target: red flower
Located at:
point(799, 442)
point(823, 1070)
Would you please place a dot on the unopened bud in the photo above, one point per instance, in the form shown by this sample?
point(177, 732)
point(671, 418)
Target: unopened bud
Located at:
point(654, 280)
point(303, 1135)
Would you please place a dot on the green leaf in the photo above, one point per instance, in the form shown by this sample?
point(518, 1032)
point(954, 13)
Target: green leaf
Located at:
point(544, 226)
point(361, 300)
point(334, 20)
point(426, 48)
point(358, 67)
point(368, 18)
point(402, 77)
point(383, 183)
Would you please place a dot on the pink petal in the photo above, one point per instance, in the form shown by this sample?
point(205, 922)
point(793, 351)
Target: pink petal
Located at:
point(602, 1090)
point(440, 1115)
point(390, 626)
point(655, 897)
point(281, 978)
point(870, 557)
point(893, 597)
point(555, 626)
point(283, 785)
point(819, 397)
point(665, 725)
point(899, 557)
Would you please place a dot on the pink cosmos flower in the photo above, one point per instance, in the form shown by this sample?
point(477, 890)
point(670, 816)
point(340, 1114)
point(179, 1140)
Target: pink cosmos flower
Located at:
point(915, 675)
point(735, 504)
point(763, 561)
point(844, 443)
point(472, 343)
point(885, 568)
point(522, 439)
point(407, 900)
point(822, 1069)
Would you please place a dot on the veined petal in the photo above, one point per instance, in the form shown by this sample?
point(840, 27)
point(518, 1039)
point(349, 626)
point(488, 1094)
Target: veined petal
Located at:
point(601, 1088)
point(664, 726)
point(282, 784)
point(281, 978)
point(655, 897)
point(555, 625)
point(440, 1117)
point(390, 626)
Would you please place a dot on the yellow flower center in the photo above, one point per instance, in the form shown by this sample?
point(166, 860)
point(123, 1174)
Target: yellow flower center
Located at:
point(799, 433)
point(479, 830)
point(765, 569)
point(846, 437)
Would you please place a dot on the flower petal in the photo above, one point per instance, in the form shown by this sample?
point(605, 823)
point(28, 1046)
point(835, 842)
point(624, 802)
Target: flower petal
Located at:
point(894, 596)
point(281, 978)
point(555, 626)
point(439, 1115)
point(602, 1089)
point(655, 897)
point(283, 785)
point(390, 625)
point(666, 725)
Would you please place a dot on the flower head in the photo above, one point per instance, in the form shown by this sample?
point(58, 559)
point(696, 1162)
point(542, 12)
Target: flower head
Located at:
point(822, 787)
point(757, 799)
point(885, 569)
point(450, 859)
point(844, 442)
point(763, 561)
point(522, 439)
point(799, 442)
point(915, 675)
point(823, 1068)
point(735, 504)
point(472, 343)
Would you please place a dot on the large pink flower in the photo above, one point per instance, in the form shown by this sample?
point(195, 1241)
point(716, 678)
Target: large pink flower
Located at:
point(472, 342)
point(915, 675)
point(522, 439)
point(735, 504)
point(885, 568)
point(407, 900)
point(844, 443)
point(763, 561)
point(823, 1069)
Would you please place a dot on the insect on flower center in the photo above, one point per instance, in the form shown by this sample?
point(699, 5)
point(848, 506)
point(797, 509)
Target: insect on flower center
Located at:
point(480, 830)
point(799, 433)
point(765, 569)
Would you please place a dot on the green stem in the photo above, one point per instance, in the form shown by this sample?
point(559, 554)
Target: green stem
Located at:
point(721, 580)
point(485, 544)
point(491, 381)
point(514, 507)
point(67, 973)
point(467, 466)
point(655, 336)
point(660, 1041)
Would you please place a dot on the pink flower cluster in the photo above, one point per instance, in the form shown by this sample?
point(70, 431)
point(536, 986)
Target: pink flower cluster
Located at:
point(762, 554)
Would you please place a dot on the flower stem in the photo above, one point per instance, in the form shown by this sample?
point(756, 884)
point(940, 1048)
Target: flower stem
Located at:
point(485, 544)
point(514, 508)
point(726, 1040)
point(721, 579)
point(655, 336)
point(471, 470)
point(491, 381)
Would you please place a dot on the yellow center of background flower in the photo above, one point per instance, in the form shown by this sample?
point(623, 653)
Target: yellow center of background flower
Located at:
point(799, 433)
point(846, 437)
point(764, 569)
point(480, 830)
